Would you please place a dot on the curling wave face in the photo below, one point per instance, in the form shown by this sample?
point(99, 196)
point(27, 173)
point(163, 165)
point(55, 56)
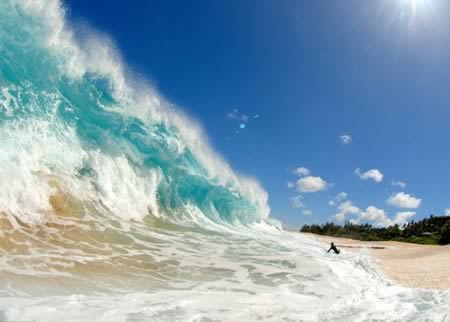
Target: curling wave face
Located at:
point(110, 193)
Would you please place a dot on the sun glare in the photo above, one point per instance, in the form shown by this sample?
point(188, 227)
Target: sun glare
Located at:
point(413, 8)
point(416, 5)
point(412, 14)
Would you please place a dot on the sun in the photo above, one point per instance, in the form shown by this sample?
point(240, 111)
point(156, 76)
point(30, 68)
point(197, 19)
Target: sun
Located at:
point(415, 7)
point(416, 4)
point(413, 14)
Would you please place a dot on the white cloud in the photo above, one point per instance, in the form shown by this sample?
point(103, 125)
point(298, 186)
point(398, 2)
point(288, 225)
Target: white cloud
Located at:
point(380, 218)
point(447, 212)
point(311, 184)
point(345, 139)
point(307, 212)
point(373, 174)
point(339, 197)
point(308, 183)
point(296, 202)
point(404, 200)
point(302, 171)
point(347, 208)
point(290, 185)
point(400, 184)
point(402, 217)
point(375, 215)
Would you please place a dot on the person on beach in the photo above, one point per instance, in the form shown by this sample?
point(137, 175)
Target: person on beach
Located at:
point(336, 251)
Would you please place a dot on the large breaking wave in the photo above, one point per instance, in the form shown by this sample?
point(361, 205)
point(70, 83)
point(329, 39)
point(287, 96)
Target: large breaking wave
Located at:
point(75, 124)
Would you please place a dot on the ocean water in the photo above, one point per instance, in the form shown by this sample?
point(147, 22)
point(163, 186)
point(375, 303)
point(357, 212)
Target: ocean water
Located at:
point(114, 207)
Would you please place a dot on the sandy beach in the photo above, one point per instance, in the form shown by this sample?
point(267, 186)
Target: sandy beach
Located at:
point(412, 265)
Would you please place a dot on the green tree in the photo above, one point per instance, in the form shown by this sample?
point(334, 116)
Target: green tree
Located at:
point(445, 234)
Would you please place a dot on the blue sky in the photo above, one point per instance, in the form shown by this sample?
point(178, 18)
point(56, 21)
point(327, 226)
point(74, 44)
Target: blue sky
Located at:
point(299, 75)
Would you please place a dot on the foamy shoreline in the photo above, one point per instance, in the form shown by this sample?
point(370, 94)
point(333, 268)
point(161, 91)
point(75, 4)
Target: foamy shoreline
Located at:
point(411, 265)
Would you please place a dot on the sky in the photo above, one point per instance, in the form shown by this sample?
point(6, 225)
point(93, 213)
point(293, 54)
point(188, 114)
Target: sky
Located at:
point(340, 109)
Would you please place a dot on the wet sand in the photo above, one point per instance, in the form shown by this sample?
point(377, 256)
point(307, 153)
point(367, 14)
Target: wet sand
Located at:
point(412, 265)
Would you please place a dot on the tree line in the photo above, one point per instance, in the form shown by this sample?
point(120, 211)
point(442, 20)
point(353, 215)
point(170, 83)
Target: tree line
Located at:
point(432, 230)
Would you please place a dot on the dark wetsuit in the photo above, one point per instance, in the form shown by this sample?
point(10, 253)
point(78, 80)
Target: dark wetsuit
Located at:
point(336, 251)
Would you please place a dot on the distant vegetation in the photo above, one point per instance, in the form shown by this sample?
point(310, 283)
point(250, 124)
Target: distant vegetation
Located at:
point(432, 230)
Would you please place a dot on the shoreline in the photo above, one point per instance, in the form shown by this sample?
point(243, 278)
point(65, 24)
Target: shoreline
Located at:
point(410, 265)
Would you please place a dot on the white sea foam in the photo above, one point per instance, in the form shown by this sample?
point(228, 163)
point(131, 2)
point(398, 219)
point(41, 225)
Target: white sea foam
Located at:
point(247, 275)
